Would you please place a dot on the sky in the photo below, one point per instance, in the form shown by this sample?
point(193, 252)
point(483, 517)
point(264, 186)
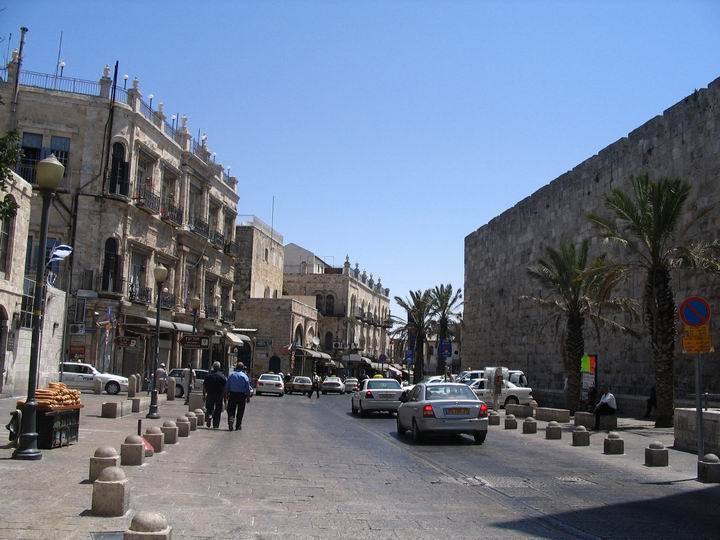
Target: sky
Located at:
point(389, 130)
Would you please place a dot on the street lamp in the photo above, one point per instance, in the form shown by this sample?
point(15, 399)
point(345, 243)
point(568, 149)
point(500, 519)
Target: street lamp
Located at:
point(125, 78)
point(48, 175)
point(62, 67)
point(195, 305)
point(151, 96)
point(160, 273)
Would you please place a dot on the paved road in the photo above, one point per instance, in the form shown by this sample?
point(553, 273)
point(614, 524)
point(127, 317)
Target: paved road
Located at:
point(308, 469)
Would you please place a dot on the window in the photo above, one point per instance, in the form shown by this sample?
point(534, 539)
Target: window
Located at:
point(144, 180)
point(266, 294)
point(267, 254)
point(446, 391)
point(110, 280)
point(319, 302)
point(60, 146)
point(379, 384)
point(119, 181)
point(328, 341)
point(330, 304)
point(196, 203)
point(80, 309)
point(209, 293)
point(32, 153)
point(138, 270)
point(71, 368)
point(26, 307)
point(190, 281)
point(6, 226)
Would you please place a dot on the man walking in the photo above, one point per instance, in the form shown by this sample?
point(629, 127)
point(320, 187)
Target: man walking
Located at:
point(213, 391)
point(315, 386)
point(237, 393)
point(161, 378)
point(188, 381)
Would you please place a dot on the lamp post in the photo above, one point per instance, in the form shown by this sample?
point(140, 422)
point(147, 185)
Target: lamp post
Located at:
point(151, 96)
point(125, 79)
point(160, 273)
point(62, 67)
point(195, 305)
point(49, 173)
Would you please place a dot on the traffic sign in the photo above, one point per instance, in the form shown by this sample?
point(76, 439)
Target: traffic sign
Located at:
point(445, 348)
point(195, 342)
point(125, 341)
point(697, 340)
point(694, 311)
point(383, 359)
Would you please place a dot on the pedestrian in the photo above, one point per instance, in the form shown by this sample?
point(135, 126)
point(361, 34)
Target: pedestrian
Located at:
point(651, 402)
point(606, 406)
point(188, 381)
point(237, 395)
point(161, 378)
point(213, 393)
point(315, 386)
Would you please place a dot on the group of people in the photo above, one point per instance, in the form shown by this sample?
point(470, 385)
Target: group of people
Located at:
point(231, 393)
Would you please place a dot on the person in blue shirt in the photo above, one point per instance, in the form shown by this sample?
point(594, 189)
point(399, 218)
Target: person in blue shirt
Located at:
point(237, 394)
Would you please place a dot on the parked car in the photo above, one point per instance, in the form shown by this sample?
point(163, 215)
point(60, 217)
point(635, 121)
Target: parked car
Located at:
point(177, 374)
point(269, 383)
point(442, 408)
point(376, 395)
point(511, 393)
point(351, 384)
point(425, 380)
point(82, 377)
point(298, 384)
point(468, 377)
point(518, 378)
point(332, 384)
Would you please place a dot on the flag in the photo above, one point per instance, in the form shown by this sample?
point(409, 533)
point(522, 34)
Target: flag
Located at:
point(59, 253)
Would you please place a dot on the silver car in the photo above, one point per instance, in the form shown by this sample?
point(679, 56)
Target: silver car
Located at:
point(442, 408)
point(376, 395)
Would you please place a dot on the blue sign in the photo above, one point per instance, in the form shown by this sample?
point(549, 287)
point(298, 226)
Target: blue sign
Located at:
point(409, 356)
point(445, 348)
point(694, 311)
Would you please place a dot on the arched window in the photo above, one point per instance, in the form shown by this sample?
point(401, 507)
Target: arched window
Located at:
point(6, 231)
point(319, 302)
point(329, 305)
point(110, 281)
point(328, 341)
point(298, 336)
point(267, 292)
point(119, 183)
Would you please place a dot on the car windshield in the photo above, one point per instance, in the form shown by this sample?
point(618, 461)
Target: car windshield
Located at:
point(302, 380)
point(332, 379)
point(383, 385)
point(508, 384)
point(270, 378)
point(448, 391)
point(176, 372)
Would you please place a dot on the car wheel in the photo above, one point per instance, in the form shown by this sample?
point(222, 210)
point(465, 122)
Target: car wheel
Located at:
point(416, 435)
point(179, 391)
point(512, 400)
point(479, 436)
point(112, 388)
point(401, 430)
point(282, 395)
point(353, 410)
point(363, 412)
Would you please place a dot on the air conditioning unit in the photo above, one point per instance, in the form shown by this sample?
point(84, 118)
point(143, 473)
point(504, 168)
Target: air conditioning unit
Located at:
point(77, 329)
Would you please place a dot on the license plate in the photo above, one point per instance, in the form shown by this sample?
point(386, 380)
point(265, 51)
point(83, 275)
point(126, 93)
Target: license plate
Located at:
point(386, 396)
point(457, 410)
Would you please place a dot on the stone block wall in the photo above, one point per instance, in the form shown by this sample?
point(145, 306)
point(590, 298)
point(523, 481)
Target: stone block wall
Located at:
point(503, 329)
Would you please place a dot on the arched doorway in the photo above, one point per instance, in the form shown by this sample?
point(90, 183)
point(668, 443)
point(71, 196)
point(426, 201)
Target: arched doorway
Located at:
point(298, 337)
point(274, 364)
point(328, 341)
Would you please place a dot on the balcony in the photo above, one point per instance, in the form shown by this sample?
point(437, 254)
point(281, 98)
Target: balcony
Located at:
point(146, 199)
point(227, 315)
point(211, 312)
point(232, 249)
point(139, 295)
point(218, 239)
point(26, 169)
point(167, 300)
point(200, 227)
point(171, 213)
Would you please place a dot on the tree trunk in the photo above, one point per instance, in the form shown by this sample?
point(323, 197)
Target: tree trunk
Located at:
point(574, 350)
point(660, 321)
point(442, 335)
point(419, 368)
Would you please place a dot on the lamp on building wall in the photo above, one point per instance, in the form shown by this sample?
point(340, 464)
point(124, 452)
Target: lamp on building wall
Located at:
point(160, 273)
point(195, 305)
point(49, 174)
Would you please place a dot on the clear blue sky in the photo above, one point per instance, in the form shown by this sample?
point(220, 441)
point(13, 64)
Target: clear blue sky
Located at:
point(389, 130)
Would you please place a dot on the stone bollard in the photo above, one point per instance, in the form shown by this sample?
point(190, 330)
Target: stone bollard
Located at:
point(200, 416)
point(533, 404)
point(148, 526)
point(132, 451)
point(183, 425)
point(510, 422)
point(656, 455)
point(97, 386)
point(131, 386)
point(581, 436)
point(155, 437)
point(170, 385)
point(104, 457)
point(111, 493)
point(613, 444)
point(529, 426)
point(494, 418)
point(193, 420)
point(138, 383)
point(709, 469)
point(170, 430)
point(553, 431)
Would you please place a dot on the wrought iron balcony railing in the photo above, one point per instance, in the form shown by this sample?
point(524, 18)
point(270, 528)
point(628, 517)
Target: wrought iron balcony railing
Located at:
point(167, 300)
point(218, 239)
point(227, 315)
point(147, 199)
point(232, 249)
point(172, 213)
point(139, 295)
point(200, 227)
point(211, 312)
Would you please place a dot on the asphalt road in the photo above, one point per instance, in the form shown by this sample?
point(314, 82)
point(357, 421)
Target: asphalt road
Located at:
point(306, 468)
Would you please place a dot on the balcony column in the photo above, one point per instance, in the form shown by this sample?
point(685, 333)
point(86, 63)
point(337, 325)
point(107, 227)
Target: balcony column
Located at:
point(206, 201)
point(105, 83)
point(134, 95)
point(180, 278)
point(185, 194)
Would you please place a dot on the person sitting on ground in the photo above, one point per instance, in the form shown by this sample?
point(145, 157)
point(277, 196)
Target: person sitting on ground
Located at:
point(605, 407)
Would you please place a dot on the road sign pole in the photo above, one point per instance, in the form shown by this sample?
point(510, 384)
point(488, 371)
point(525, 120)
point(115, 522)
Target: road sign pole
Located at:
point(698, 410)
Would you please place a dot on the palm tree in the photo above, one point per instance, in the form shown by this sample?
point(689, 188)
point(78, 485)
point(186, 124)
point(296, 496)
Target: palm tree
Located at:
point(645, 224)
point(419, 308)
point(445, 311)
point(578, 292)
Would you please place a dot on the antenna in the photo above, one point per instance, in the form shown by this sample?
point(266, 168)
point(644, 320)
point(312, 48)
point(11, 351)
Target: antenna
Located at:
point(57, 64)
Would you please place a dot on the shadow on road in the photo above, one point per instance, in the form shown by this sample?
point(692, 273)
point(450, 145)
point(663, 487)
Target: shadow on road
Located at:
point(434, 440)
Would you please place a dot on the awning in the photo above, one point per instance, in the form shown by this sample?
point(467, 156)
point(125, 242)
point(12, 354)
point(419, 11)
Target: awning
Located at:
point(182, 327)
point(376, 366)
point(302, 351)
point(236, 339)
point(394, 370)
point(167, 325)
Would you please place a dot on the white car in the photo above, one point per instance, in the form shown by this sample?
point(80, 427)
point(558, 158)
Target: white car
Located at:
point(511, 393)
point(350, 384)
point(332, 384)
point(376, 395)
point(269, 383)
point(82, 376)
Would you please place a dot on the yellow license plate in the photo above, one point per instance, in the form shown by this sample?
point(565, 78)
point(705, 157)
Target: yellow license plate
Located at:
point(457, 410)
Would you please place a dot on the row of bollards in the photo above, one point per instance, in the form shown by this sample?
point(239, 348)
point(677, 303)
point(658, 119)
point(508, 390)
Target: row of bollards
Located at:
point(111, 490)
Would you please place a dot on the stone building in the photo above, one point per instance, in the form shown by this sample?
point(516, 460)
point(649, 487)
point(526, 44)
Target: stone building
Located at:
point(139, 191)
point(502, 329)
point(16, 299)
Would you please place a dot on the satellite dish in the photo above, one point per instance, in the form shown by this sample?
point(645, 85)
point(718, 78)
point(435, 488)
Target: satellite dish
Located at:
point(316, 341)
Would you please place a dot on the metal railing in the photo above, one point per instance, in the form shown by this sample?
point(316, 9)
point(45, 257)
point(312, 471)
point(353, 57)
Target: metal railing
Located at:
point(146, 198)
point(211, 312)
point(60, 84)
point(139, 295)
point(167, 300)
point(121, 95)
point(26, 169)
point(147, 111)
point(232, 248)
point(172, 213)
point(227, 315)
point(200, 227)
point(169, 129)
point(3, 74)
point(218, 239)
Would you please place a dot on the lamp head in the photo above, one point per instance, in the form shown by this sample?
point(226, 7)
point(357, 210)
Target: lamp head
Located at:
point(195, 302)
point(49, 173)
point(160, 273)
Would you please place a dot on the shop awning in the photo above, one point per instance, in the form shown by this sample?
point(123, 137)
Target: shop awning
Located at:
point(236, 339)
point(167, 325)
point(182, 327)
point(309, 353)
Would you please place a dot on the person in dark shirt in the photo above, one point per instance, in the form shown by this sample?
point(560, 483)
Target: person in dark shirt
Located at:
point(213, 391)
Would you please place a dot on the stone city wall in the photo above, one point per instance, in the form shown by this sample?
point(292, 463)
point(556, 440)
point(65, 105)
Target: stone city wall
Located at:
point(502, 329)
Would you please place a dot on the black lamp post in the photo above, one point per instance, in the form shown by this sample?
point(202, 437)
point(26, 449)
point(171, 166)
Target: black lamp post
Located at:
point(160, 273)
point(195, 305)
point(49, 173)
